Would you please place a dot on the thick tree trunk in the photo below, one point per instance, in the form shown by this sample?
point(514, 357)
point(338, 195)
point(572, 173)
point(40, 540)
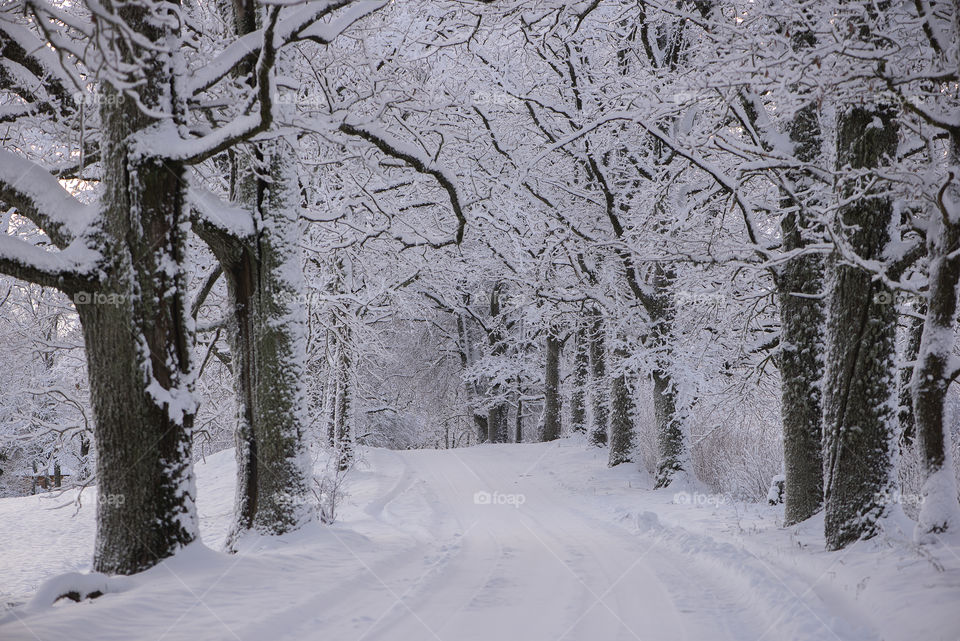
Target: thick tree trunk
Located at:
point(939, 510)
point(145, 485)
point(581, 372)
point(481, 424)
point(598, 380)
point(265, 283)
point(551, 389)
point(673, 455)
point(268, 338)
point(138, 341)
point(242, 277)
point(498, 421)
point(801, 368)
point(800, 285)
point(622, 436)
point(860, 382)
point(278, 347)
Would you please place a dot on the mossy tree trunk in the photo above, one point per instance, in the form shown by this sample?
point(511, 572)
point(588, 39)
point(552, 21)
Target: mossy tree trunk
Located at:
point(622, 433)
point(268, 345)
point(860, 382)
point(800, 285)
point(673, 457)
point(551, 388)
point(136, 331)
point(581, 373)
point(598, 380)
point(939, 511)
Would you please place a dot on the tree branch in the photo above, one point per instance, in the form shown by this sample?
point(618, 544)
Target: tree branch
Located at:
point(69, 270)
point(196, 150)
point(37, 195)
point(393, 149)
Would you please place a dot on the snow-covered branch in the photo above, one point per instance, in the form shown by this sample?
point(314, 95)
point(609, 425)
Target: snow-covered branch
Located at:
point(41, 76)
point(209, 210)
point(69, 270)
point(401, 151)
point(192, 151)
point(37, 195)
point(305, 23)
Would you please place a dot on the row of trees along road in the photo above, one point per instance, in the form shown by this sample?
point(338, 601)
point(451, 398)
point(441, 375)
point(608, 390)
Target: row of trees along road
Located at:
point(658, 224)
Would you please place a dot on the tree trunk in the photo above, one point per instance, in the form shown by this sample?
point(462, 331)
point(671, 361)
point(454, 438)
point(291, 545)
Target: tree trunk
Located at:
point(581, 371)
point(911, 353)
point(278, 349)
point(268, 342)
point(622, 438)
point(860, 382)
point(268, 338)
point(329, 406)
point(241, 275)
point(800, 284)
point(598, 380)
point(671, 451)
point(673, 457)
point(344, 433)
point(481, 424)
point(939, 510)
point(493, 420)
point(466, 359)
point(498, 417)
point(518, 419)
point(138, 341)
point(551, 389)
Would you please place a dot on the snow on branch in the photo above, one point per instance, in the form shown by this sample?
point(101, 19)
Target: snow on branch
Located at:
point(19, 45)
point(725, 182)
point(67, 270)
point(302, 24)
point(67, 34)
point(398, 149)
point(325, 32)
point(37, 195)
point(947, 120)
point(305, 23)
point(196, 150)
point(57, 15)
point(729, 185)
point(210, 210)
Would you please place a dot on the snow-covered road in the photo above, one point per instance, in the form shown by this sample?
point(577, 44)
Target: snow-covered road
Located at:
point(496, 543)
point(531, 564)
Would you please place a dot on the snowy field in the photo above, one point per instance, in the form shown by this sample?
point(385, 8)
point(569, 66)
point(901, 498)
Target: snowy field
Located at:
point(491, 543)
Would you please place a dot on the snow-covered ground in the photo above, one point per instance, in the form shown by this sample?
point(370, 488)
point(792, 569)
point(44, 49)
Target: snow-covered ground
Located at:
point(493, 543)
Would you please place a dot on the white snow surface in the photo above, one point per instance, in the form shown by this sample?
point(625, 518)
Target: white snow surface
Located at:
point(559, 548)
